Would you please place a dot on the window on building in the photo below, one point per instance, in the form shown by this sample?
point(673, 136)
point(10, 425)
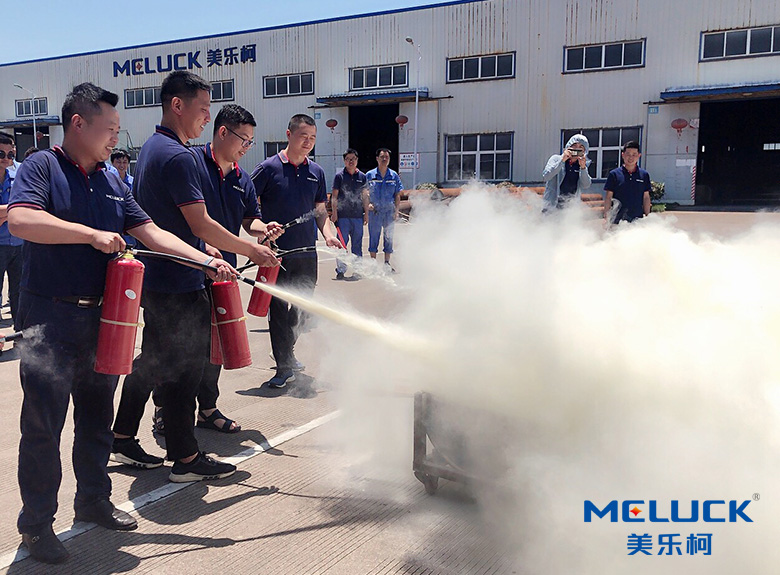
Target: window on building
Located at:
point(273, 148)
point(479, 156)
point(222, 91)
point(739, 43)
point(605, 146)
point(489, 67)
point(288, 85)
point(604, 56)
point(772, 146)
point(142, 97)
point(26, 107)
point(373, 77)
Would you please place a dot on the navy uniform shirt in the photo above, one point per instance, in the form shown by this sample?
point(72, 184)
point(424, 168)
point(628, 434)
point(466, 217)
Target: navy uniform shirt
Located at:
point(350, 187)
point(50, 181)
point(230, 199)
point(286, 192)
point(570, 179)
point(166, 179)
point(629, 188)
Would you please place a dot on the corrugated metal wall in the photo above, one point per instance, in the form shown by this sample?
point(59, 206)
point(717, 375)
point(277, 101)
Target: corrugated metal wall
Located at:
point(536, 104)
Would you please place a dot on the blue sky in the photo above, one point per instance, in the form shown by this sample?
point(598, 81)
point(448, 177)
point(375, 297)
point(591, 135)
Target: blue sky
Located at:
point(83, 26)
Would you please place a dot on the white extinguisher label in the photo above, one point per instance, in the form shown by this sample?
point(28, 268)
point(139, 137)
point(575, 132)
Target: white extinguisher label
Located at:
point(130, 294)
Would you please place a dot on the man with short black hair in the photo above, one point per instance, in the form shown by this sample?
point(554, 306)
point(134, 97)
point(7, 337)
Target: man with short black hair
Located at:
point(384, 199)
point(630, 185)
point(349, 207)
point(231, 201)
point(10, 246)
point(120, 159)
point(288, 186)
point(71, 214)
point(177, 311)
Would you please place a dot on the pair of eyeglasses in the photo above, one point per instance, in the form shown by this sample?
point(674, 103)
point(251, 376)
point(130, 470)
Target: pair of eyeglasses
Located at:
point(11, 155)
point(246, 142)
point(350, 160)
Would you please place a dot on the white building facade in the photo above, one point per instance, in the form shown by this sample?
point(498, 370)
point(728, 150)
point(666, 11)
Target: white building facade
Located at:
point(502, 85)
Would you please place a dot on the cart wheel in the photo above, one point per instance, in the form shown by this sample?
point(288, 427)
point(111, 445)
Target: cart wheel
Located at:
point(430, 482)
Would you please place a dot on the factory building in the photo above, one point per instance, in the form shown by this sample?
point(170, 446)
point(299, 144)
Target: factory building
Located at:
point(483, 89)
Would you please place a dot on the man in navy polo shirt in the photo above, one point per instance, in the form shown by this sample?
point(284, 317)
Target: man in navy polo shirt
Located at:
point(349, 202)
point(231, 201)
point(385, 188)
point(630, 185)
point(288, 186)
point(71, 214)
point(177, 312)
point(10, 246)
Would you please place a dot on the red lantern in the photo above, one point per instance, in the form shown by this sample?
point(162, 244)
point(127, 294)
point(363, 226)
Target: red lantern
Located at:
point(119, 316)
point(679, 124)
point(332, 124)
point(401, 120)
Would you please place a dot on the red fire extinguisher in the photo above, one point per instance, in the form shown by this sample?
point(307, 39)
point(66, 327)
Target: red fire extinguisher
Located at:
point(216, 346)
point(231, 325)
point(119, 316)
point(260, 300)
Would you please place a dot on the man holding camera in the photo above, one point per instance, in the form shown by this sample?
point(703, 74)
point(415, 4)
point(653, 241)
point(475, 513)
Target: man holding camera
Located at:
point(566, 175)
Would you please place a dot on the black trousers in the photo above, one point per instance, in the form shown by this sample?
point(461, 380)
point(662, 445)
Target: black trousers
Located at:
point(208, 389)
point(174, 353)
point(57, 359)
point(285, 321)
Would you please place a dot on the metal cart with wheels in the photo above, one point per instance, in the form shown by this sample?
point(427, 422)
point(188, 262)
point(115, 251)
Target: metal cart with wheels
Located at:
point(432, 428)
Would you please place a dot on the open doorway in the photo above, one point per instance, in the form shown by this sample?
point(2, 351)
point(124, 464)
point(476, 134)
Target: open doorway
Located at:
point(24, 139)
point(372, 127)
point(739, 151)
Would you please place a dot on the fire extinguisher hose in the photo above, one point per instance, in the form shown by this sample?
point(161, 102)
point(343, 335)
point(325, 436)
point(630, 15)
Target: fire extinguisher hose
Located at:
point(186, 262)
point(281, 254)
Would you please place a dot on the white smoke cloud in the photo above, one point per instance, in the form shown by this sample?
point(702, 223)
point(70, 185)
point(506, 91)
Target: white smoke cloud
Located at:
point(639, 363)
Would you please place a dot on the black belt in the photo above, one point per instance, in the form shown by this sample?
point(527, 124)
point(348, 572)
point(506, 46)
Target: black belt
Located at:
point(81, 301)
point(85, 301)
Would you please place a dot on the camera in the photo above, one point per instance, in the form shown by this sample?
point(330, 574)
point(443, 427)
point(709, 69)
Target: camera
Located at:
point(576, 153)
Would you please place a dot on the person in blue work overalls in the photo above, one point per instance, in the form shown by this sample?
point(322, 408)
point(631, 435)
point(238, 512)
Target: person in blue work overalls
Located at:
point(71, 214)
point(384, 198)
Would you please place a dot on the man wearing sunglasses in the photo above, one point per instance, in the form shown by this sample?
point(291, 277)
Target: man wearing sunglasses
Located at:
point(10, 246)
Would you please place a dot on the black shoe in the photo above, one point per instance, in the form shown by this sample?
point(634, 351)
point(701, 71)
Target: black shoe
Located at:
point(130, 452)
point(44, 546)
point(281, 379)
point(106, 515)
point(200, 468)
point(339, 276)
